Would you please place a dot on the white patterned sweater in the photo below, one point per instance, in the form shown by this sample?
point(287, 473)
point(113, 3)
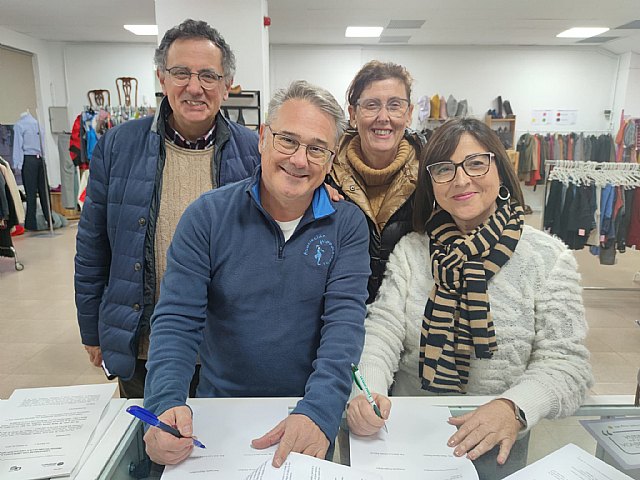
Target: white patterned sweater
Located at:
point(541, 363)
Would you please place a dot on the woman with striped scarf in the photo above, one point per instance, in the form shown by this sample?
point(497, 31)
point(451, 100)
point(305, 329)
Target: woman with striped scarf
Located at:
point(474, 301)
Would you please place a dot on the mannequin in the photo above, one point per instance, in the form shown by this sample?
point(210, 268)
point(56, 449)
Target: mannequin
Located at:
point(27, 156)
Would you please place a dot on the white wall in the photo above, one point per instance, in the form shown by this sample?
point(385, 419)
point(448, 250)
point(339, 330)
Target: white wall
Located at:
point(632, 94)
point(96, 66)
point(530, 77)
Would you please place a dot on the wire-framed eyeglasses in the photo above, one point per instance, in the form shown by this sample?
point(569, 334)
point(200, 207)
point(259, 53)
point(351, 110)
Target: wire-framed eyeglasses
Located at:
point(395, 107)
point(475, 165)
point(181, 76)
point(315, 153)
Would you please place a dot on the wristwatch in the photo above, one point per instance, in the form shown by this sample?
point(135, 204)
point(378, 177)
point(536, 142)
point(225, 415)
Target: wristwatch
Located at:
point(520, 416)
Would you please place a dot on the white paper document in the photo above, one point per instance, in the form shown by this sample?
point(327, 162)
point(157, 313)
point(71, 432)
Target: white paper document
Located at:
point(620, 437)
point(43, 431)
point(569, 463)
point(303, 467)
point(227, 430)
point(415, 447)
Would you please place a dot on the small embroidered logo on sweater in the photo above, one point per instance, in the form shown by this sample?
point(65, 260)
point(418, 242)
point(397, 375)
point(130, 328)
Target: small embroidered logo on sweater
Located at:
point(320, 249)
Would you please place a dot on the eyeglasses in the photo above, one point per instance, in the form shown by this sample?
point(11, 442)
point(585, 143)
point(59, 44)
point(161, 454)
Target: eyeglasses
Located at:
point(315, 154)
point(182, 76)
point(396, 107)
point(475, 165)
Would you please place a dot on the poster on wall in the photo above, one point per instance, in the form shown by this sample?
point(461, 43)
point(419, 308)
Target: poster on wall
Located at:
point(541, 117)
point(565, 117)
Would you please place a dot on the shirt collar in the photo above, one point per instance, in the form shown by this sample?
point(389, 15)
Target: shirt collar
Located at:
point(201, 143)
point(320, 204)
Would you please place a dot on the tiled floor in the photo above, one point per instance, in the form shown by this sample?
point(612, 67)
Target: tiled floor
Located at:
point(40, 344)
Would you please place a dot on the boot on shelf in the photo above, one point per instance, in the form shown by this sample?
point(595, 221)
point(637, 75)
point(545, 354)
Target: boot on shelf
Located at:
point(507, 109)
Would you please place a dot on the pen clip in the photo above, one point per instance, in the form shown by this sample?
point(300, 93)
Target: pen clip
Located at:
point(356, 376)
point(143, 414)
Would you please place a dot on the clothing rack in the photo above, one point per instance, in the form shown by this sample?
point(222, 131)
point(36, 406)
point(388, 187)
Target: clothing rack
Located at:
point(598, 173)
point(555, 132)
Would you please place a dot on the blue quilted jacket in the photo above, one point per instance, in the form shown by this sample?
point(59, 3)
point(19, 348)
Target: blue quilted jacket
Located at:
point(115, 259)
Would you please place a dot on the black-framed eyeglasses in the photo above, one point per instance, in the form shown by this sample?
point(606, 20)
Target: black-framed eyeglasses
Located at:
point(475, 165)
point(395, 107)
point(315, 153)
point(181, 76)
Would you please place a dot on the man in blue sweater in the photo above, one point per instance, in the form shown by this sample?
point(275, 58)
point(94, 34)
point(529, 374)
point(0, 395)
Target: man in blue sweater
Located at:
point(266, 280)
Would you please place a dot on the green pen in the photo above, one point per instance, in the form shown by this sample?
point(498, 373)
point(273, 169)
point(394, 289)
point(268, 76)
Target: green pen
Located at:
point(357, 377)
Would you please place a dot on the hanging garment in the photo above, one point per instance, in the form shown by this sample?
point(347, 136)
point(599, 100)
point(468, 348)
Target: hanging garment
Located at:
point(6, 143)
point(13, 189)
point(580, 218)
point(633, 237)
point(67, 172)
point(606, 216)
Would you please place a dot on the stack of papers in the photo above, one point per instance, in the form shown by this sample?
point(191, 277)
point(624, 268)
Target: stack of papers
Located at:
point(43, 431)
point(569, 463)
point(303, 467)
point(227, 432)
point(415, 447)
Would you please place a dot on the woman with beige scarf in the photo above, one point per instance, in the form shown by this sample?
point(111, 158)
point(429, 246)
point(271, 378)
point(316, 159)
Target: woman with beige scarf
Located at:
point(376, 166)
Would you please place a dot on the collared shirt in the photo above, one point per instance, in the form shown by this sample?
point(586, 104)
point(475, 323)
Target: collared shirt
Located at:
point(26, 139)
point(201, 143)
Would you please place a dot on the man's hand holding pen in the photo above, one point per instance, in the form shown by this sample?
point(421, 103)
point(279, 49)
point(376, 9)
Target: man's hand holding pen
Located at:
point(164, 448)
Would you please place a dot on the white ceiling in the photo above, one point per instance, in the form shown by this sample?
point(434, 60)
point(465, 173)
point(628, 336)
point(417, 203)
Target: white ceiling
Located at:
point(447, 22)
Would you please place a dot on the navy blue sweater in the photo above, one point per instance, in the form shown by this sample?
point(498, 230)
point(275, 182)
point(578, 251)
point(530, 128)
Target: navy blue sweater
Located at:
point(268, 318)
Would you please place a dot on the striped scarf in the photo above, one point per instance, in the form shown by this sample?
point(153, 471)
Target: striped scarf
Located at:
point(457, 318)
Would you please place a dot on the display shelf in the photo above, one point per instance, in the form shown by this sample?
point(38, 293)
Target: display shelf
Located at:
point(505, 128)
point(244, 108)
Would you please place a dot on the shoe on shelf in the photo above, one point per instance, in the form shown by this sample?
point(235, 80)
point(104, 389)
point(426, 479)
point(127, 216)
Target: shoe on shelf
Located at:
point(461, 111)
point(435, 107)
point(499, 106)
point(235, 89)
point(507, 109)
point(443, 109)
point(452, 106)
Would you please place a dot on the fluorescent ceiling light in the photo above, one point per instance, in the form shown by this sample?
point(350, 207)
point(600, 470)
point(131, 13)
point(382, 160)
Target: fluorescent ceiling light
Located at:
point(581, 32)
point(142, 29)
point(370, 32)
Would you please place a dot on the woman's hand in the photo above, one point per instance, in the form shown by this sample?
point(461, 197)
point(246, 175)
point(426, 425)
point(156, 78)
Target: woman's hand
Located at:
point(361, 418)
point(487, 426)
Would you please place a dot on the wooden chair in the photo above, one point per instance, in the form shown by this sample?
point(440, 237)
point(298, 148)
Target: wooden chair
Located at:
point(125, 84)
point(98, 97)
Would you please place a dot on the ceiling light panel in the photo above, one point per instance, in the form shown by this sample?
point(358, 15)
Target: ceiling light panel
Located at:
point(363, 32)
point(142, 29)
point(582, 32)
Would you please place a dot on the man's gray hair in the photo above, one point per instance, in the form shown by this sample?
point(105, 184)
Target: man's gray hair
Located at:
point(197, 29)
point(317, 96)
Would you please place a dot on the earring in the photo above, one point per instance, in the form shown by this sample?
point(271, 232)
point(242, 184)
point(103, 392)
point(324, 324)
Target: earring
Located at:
point(504, 196)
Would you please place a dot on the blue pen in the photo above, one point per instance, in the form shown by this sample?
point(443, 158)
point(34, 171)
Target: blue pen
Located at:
point(147, 417)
